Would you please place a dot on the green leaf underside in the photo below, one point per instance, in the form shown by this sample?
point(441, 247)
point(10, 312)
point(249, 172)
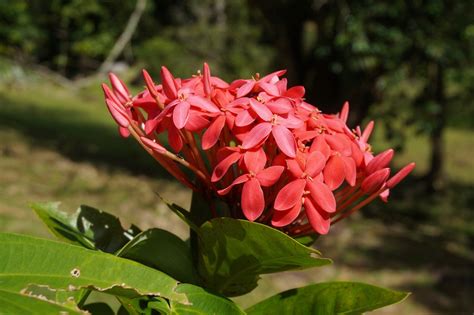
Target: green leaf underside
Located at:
point(99, 308)
point(182, 213)
point(88, 227)
point(18, 303)
point(327, 299)
point(234, 253)
point(164, 251)
point(26, 260)
point(307, 240)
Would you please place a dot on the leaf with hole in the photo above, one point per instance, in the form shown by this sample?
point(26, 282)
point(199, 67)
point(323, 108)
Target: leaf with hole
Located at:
point(26, 260)
point(19, 303)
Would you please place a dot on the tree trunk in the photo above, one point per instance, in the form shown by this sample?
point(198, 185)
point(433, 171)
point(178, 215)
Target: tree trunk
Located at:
point(434, 178)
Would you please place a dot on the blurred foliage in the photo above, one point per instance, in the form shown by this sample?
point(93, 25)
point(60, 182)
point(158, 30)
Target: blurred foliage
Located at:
point(407, 63)
point(223, 33)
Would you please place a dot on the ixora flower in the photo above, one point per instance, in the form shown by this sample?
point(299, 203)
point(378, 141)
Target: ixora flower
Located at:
point(256, 145)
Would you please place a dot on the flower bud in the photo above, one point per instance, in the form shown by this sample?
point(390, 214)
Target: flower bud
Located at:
point(375, 181)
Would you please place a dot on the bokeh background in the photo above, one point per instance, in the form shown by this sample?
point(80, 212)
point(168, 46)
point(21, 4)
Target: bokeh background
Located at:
point(406, 64)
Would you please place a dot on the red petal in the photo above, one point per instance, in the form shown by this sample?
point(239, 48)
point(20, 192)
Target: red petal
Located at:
point(174, 139)
point(270, 176)
point(295, 168)
point(224, 165)
point(284, 140)
point(253, 202)
point(334, 172)
point(392, 182)
point(384, 195)
point(315, 163)
point(246, 88)
point(280, 105)
point(203, 103)
point(291, 122)
point(271, 89)
point(149, 83)
point(319, 144)
point(261, 110)
point(206, 79)
point(255, 160)
point(119, 88)
point(350, 170)
point(270, 76)
point(344, 112)
point(212, 133)
point(295, 92)
point(255, 136)
point(117, 113)
point(153, 145)
point(283, 218)
point(320, 221)
point(367, 132)
point(322, 195)
point(196, 121)
point(340, 143)
point(380, 161)
point(169, 86)
point(244, 118)
point(357, 154)
point(290, 195)
point(239, 180)
point(181, 114)
point(124, 132)
point(375, 181)
point(219, 83)
point(150, 125)
point(109, 94)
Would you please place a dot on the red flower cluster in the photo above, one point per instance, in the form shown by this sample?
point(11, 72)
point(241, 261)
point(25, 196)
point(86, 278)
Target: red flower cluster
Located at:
point(257, 145)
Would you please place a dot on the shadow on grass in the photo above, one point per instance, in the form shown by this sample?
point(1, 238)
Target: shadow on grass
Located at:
point(434, 234)
point(70, 132)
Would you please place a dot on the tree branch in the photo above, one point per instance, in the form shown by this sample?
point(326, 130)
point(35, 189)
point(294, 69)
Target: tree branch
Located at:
point(125, 37)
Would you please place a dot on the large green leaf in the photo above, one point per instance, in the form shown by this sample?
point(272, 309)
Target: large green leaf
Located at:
point(327, 299)
point(88, 227)
point(19, 303)
point(234, 253)
point(26, 260)
point(164, 251)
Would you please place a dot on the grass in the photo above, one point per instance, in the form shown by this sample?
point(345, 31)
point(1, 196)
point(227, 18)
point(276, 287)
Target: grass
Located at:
point(61, 145)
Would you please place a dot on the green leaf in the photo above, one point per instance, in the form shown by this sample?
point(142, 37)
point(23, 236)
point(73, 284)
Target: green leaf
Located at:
point(203, 302)
point(307, 240)
point(88, 227)
point(234, 253)
point(200, 302)
point(99, 308)
point(164, 251)
point(26, 260)
point(18, 303)
point(328, 298)
point(183, 214)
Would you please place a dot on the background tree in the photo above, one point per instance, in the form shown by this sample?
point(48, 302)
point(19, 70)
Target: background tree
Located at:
point(367, 52)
